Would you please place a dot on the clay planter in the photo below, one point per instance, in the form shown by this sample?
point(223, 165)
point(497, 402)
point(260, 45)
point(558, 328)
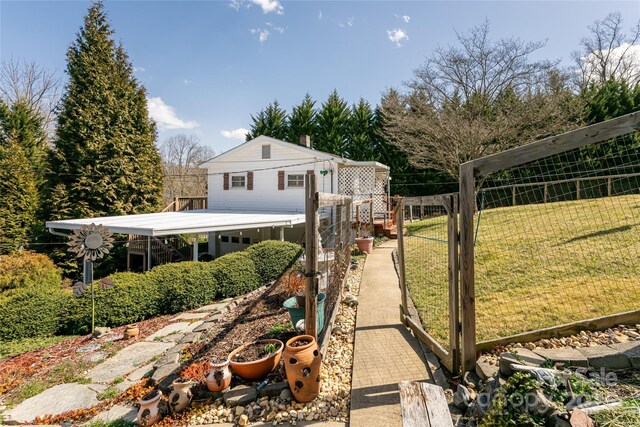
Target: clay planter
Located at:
point(220, 376)
point(131, 331)
point(180, 395)
point(149, 412)
point(365, 244)
point(256, 369)
point(302, 365)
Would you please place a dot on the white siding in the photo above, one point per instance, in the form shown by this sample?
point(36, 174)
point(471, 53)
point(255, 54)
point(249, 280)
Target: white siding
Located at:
point(265, 194)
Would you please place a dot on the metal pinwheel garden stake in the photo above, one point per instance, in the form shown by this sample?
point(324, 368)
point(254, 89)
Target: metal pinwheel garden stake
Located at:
point(90, 242)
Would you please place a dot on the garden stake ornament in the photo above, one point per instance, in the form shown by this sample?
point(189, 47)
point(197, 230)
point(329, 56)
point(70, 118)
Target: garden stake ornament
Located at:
point(90, 242)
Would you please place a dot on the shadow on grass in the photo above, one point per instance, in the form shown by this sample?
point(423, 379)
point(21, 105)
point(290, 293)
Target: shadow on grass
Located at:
point(600, 233)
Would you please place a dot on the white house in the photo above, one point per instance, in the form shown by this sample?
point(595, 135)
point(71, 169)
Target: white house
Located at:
point(255, 192)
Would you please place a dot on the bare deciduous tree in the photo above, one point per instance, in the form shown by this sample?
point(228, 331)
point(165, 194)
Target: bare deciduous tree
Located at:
point(475, 99)
point(181, 156)
point(33, 85)
point(609, 52)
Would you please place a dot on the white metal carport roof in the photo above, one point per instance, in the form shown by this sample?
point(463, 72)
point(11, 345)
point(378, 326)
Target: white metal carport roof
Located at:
point(184, 222)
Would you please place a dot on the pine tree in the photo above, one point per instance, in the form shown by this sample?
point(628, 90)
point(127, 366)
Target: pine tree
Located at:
point(302, 120)
point(105, 161)
point(362, 138)
point(333, 125)
point(272, 121)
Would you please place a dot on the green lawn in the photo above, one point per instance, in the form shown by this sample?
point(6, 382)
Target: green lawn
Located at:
point(536, 265)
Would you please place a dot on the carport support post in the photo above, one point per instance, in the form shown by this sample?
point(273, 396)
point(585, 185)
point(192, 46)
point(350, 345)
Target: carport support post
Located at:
point(148, 253)
point(311, 256)
point(195, 247)
point(282, 234)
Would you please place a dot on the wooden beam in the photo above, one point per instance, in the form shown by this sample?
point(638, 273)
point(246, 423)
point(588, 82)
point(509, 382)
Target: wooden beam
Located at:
point(327, 199)
point(557, 144)
point(423, 405)
point(467, 275)
point(311, 248)
point(427, 339)
point(361, 202)
point(401, 259)
point(454, 297)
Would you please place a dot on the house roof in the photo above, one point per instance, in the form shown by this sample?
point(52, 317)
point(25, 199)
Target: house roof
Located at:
point(184, 222)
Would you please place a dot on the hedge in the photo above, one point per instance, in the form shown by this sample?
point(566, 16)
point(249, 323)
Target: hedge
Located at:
point(273, 257)
point(131, 298)
point(32, 311)
point(236, 274)
point(24, 269)
point(183, 286)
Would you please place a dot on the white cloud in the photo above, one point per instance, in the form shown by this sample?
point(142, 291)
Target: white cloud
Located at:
point(320, 15)
point(406, 18)
point(165, 115)
point(349, 23)
point(624, 62)
point(138, 70)
point(186, 82)
point(397, 36)
point(239, 133)
point(269, 6)
point(264, 33)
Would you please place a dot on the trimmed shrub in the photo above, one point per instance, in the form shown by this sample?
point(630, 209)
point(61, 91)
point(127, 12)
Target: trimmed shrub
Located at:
point(24, 269)
point(236, 274)
point(32, 311)
point(183, 286)
point(131, 298)
point(273, 257)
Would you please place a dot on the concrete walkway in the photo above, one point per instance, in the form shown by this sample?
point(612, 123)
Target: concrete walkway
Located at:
point(385, 352)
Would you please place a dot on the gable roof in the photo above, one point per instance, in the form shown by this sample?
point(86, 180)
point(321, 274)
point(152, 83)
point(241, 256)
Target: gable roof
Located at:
point(267, 139)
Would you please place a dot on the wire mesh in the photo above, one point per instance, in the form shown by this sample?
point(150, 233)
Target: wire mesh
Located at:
point(426, 267)
point(558, 239)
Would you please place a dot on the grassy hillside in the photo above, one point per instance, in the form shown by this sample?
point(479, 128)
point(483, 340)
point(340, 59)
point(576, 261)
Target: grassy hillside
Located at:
point(536, 265)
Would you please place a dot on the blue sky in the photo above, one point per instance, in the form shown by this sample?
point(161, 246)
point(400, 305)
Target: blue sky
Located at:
point(209, 65)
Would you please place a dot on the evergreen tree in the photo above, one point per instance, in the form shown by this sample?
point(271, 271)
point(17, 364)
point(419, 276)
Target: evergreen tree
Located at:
point(612, 99)
point(302, 120)
point(104, 161)
point(362, 138)
point(272, 121)
point(333, 125)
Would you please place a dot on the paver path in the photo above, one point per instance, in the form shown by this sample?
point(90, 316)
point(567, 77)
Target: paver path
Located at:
point(385, 352)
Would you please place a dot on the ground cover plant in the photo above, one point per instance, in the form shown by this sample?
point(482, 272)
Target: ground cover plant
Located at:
point(536, 266)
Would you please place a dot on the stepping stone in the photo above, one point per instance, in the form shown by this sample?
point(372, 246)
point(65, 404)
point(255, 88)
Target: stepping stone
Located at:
point(126, 360)
point(172, 338)
point(168, 358)
point(631, 350)
point(117, 412)
point(96, 357)
point(211, 308)
point(603, 356)
point(98, 388)
point(240, 396)
point(273, 389)
point(172, 328)
point(486, 370)
point(567, 356)
point(140, 373)
point(205, 326)
point(529, 357)
point(54, 401)
point(88, 348)
point(190, 316)
point(214, 318)
point(164, 371)
point(191, 338)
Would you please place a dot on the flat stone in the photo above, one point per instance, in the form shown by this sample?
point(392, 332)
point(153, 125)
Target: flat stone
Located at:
point(191, 338)
point(117, 412)
point(190, 316)
point(172, 328)
point(124, 385)
point(214, 318)
point(213, 308)
point(98, 388)
point(164, 371)
point(126, 360)
point(96, 357)
point(88, 348)
point(506, 360)
point(484, 369)
point(631, 350)
point(174, 338)
point(273, 389)
point(529, 357)
point(603, 356)
point(168, 358)
point(54, 401)
point(141, 372)
point(205, 326)
point(567, 356)
point(241, 395)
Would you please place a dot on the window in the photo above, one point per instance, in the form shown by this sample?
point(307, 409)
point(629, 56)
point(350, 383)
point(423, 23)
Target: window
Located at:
point(246, 240)
point(266, 151)
point(238, 181)
point(295, 181)
point(235, 239)
point(224, 239)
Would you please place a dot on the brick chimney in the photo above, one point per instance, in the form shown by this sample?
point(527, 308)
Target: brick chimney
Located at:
point(305, 141)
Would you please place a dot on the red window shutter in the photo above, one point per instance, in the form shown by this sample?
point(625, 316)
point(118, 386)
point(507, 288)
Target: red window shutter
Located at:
point(225, 181)
point(249, 180)
point(280, 180)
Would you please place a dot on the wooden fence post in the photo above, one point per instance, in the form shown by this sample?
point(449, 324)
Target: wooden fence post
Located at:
point(609, 187)
point(513, 195)
point(467, 278)
point(546, 193)
point(401, 266)
point(577, 189)
point(454, 296)
point(373, 230)
point(311, 267)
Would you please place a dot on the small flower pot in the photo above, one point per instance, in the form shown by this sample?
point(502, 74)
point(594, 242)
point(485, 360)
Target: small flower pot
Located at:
point(149, 412)
point(302, 364)
point(365, 244)
point(131, 331)
point(256, 369)
point(219, 377)
point(181, 395)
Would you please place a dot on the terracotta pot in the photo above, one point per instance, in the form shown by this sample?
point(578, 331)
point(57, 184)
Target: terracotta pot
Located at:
point(131, 331)
point(220, 376)
point(180, 395)
point(149, 412)
point(365, 244)
point(302, 365)
point(256, 369)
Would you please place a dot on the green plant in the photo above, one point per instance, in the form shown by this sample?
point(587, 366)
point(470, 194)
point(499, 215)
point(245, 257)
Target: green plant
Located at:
point(280, 328)
point(269, 348)
point(183, 286)
point(114, 423)
point(503, 413)
point(26, 269)
point(33, 311)
point(118, 380)
point(235, 273)
point(22, 345)
point(273, 257)
point(109, 393)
